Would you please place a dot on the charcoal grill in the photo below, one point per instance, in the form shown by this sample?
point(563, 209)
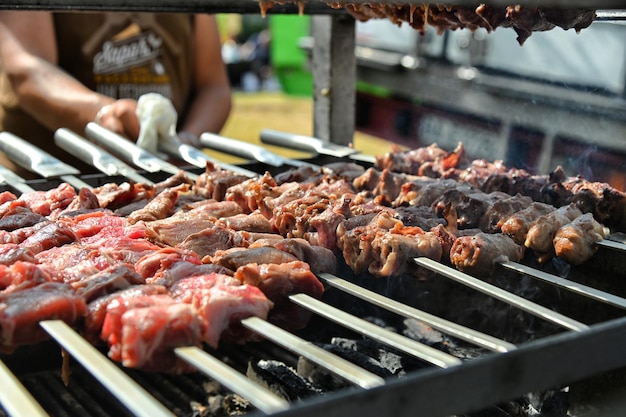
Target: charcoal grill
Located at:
point(533, 348)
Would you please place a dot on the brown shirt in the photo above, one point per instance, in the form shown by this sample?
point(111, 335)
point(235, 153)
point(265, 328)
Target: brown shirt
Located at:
point(121, 55)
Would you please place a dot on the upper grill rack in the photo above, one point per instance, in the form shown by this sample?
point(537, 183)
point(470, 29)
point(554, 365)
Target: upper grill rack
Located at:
point(595, 344)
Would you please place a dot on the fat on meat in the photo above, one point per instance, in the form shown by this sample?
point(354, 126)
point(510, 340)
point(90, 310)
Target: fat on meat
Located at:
point(22, 311)
point(319, 258)
point(278, 282)
point(236, 257)
point(222, 302)
point(208, 241)
point(112, 279)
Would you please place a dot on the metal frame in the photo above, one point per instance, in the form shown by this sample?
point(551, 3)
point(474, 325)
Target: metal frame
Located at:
point(547, 363)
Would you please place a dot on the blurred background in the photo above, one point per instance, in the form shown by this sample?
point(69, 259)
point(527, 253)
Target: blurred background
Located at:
point(560, 99)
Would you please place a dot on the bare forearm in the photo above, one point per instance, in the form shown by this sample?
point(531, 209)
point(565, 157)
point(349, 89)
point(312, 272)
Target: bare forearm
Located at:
point(51, 96)
point(209, 111)
point(57, 100)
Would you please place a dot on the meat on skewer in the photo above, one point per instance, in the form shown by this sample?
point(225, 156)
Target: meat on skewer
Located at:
point(575, 242)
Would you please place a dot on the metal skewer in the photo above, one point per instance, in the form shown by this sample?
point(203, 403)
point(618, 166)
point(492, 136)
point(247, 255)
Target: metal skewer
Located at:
point(96, 156)
point(502, 295)
point(325, 359)
point(14, 397)
point(575, 287)
point(11, 179)
point(453, 329)
point(38, 161)
point(259, 396)
point(132, 395)
point(399, 342)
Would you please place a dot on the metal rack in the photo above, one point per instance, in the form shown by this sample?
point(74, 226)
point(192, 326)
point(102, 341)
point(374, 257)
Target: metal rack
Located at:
point(579, 355)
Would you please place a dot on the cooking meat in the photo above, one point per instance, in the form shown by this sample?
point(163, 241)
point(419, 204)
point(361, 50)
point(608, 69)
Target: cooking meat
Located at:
point(477, 254)
point(112, 279)
point(393, 250)
point(12, 252)
point(278, 282)
point(221, 302)
point(254, 222)
point(50, 235)
point(517, 225)
point(318, 258)
point(541, 233)
point(524, 20)
point(208, 241)
point(575, 241)
point(49, 203)
point(113, 196)
point(160, 207)
point(501, 210)
point(20, 218)
point(97, 309)
point(22, 275)
point(21, 312)
point(142, 331)
point(214, 182)
point(237, 257)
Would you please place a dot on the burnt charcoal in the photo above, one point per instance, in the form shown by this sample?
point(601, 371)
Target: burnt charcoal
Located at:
point(281, 379)
point(425, 334)
point(382, 357)
point(327, 381)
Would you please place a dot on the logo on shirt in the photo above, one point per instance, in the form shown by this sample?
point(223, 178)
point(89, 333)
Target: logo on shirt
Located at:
point(133, 52)
point(131, 67)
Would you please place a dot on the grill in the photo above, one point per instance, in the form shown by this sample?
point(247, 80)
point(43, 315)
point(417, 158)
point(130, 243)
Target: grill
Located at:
point(484, 347)
point(527, 347)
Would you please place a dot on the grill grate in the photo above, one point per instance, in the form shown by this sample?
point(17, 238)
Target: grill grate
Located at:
point(527, 349)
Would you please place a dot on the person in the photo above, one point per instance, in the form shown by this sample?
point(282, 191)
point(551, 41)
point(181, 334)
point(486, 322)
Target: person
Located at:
point(64, 69)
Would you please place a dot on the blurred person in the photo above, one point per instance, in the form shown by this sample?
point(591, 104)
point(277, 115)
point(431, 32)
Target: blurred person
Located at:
point(68, 69)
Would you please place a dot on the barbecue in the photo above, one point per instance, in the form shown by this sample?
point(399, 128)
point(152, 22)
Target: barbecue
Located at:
point(339, 284)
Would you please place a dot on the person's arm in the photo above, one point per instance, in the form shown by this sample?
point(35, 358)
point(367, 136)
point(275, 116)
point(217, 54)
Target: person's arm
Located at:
point(211, 103)
point(50, 95)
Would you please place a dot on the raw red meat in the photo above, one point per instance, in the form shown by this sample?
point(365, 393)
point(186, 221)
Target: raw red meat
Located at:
point(221, 302)
point(142, 332)
point(21, 312)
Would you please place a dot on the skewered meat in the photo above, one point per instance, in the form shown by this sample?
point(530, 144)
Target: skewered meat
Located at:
point(318, 258)
point(541, 233)
point(524, 20)
point(221, 302)
point(21, 275)
point(97, 309)
point(517, 225)
point(142, 330)
point(575, 242)
point(21, 312)
point(477, 254)
point(278, 282)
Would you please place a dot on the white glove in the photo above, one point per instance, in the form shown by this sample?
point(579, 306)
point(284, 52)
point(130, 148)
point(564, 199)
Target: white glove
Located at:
point(157, 121)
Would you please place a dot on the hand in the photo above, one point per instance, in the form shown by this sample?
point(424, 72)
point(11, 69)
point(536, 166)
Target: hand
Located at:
point(120, 117)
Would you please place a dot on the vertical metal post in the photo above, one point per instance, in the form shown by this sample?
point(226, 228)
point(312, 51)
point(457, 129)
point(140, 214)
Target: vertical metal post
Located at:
point(334, 78)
